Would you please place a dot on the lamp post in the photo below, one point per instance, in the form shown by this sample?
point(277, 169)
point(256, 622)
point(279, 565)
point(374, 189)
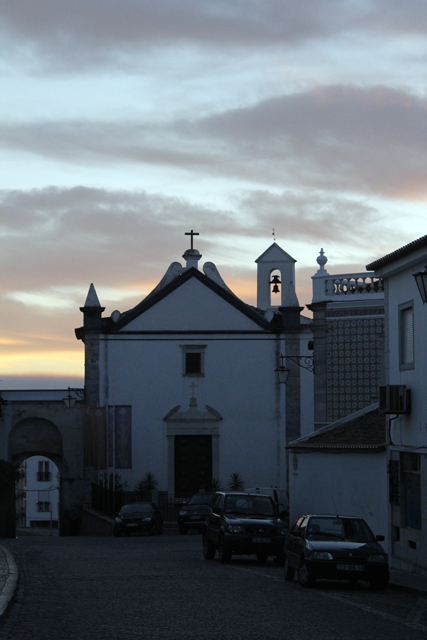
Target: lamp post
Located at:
point(421, 280)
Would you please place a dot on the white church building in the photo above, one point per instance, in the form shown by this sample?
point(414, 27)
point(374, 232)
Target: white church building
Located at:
point(185, 382)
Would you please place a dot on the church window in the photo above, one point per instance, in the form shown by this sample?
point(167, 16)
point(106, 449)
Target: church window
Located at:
point(193, 360)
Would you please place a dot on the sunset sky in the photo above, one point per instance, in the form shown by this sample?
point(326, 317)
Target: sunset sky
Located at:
point(126, 123)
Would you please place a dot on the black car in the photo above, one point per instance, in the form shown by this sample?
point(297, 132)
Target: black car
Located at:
point(335, 547)
point(240, 523)
point(193, 514)
point(139, 517)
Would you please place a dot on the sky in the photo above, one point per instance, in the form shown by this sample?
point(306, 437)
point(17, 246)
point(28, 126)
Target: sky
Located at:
point(124, 124)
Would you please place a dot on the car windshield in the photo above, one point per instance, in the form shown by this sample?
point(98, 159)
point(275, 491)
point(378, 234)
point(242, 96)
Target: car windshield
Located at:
point(201, 498)
point(136, 509)
point(335, 528)
point(249, 505)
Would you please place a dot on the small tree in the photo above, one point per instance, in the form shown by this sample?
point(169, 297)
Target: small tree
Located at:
point(216, 484)
point(236, 482)
point(148, 483)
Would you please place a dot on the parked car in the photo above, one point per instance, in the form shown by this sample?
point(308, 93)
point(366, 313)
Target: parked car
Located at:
point(138, 517)
point(193, 514)
point(335, 547)
point(240, 523)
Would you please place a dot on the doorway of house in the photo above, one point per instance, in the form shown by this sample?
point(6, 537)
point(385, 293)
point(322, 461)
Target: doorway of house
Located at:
point(193, 464)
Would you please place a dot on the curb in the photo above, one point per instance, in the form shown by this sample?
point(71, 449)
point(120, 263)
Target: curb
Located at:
point(8, 592)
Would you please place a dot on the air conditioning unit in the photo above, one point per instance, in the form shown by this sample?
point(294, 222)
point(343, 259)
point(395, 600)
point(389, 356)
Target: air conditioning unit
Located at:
point(395, 398)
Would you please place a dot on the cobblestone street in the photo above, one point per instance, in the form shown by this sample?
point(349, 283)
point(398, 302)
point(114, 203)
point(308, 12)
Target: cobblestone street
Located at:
point(161, 587)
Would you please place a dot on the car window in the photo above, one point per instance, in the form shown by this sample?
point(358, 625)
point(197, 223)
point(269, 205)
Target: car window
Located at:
point(337, 528)
point(136, 508)
point(201, 498)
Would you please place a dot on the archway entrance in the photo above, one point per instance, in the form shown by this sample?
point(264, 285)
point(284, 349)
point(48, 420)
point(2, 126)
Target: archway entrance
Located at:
point(37, 495)
point(35, 446)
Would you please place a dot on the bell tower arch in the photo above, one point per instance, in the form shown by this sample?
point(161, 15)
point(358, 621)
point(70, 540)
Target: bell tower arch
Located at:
point(275, 274)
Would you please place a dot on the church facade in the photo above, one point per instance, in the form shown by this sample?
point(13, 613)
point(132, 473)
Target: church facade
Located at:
point(186, 379)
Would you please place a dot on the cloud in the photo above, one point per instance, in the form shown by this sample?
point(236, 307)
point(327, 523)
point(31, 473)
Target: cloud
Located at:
point(371, 140)
point(57, 241)
point(61, 35)
point(86, 33)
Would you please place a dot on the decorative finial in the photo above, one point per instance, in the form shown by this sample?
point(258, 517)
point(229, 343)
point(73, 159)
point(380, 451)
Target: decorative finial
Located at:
point(274, 234)
point(322, 260)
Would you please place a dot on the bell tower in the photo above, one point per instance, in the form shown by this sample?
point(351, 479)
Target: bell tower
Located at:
point(276, 279)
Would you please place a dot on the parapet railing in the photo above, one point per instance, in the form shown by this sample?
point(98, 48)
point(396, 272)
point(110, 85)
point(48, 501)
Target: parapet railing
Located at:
point(364, 284)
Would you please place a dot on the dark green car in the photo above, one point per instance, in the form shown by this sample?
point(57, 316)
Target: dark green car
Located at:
point(240, 523)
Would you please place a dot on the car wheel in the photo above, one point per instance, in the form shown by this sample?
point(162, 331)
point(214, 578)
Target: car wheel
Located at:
point(305, 576)
point(289, 571)
point(378, 584)
point(182, 530)
point(262, 557)
point(208, 548)
point(223, 551)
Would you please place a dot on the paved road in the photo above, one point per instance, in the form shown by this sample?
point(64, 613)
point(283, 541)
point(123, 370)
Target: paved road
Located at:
point(88, 588)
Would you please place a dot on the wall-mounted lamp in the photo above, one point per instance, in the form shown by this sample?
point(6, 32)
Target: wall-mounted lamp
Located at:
point(282, 372)
point(421, 280)
point(70, 400)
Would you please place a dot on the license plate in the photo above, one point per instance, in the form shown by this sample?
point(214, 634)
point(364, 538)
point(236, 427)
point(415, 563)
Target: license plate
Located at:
point(195, 518)
point(350, 567)
point(262, 540)
point(132, 524)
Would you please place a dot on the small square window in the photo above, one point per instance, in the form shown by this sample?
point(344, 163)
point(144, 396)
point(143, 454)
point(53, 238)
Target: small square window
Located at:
point(193, 360)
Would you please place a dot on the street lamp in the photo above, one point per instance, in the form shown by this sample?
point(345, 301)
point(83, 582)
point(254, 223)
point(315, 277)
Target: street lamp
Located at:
point(70, 400)
point(282, 372)
point(421, 280)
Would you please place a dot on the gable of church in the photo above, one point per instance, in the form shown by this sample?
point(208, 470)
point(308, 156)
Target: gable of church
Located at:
point(192, 303)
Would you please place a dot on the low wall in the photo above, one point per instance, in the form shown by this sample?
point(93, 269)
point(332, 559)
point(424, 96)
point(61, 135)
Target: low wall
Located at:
point(95, 524)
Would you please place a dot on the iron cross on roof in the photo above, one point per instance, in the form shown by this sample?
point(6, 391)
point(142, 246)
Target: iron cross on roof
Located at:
point(192, 233)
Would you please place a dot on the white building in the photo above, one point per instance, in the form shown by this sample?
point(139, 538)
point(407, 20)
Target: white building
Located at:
point(404, 400)
point(187, 379)
point(38, 493)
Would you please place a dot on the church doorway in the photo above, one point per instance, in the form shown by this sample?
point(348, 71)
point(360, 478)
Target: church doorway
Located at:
point(193, 464)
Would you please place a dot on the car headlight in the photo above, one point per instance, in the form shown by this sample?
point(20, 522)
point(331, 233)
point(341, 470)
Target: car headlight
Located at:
point(183, 513)
point(118, 520)
point(236, 528)
point(377, 559)
point(320, 555)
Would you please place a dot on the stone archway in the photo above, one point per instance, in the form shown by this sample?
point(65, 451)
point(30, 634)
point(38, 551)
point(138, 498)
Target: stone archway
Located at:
point(35, 436)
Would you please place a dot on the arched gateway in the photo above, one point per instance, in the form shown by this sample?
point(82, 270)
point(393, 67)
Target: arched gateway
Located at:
point(43, 426)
